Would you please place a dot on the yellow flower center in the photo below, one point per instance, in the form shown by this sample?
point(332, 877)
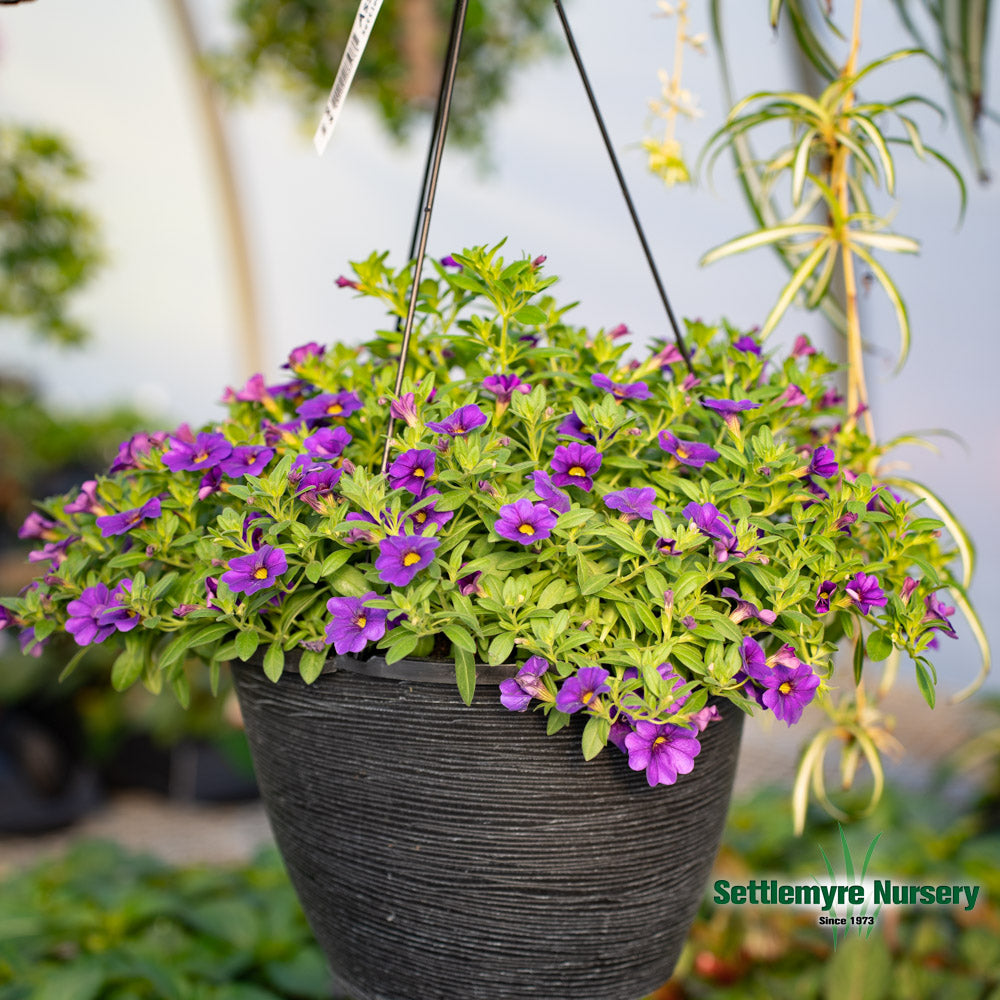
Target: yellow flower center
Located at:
point(659, 740)
point(420, 516)
point(682, 452)
point(526, 529)
point(587, 697)
point(202, 456)
point(419, 472)
point(577, 470)
point(335, 409)
point(785, 688)
point(260, 572)
point(361, 621)
point(410, 558)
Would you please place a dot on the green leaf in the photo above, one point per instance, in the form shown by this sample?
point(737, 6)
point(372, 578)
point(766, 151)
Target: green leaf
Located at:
point(311, 664)
point(402, 647)
point(500, 649)
point(314, 571)
point(530, 315)
point(78, 981)
point(274, 661)
point(126, 669)
point(334, 561)
point(460, 637)
point(925, 681)
point(595, 736)
point(859, 658)
point(595, 583)
point(246, 645)
point(879, 646)
point(556, 720)
point(465, 673)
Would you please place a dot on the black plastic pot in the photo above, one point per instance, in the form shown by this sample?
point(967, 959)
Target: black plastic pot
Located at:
point(445, 852)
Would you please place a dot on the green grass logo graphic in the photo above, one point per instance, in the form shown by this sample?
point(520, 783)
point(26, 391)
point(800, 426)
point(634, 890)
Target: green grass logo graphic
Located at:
point(858, 918)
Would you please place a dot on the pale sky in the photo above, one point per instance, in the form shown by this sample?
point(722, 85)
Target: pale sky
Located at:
point(111, 77)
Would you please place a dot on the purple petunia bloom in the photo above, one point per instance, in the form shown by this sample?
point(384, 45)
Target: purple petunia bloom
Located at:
point(747, 344)
point(354, 625)
point(572, 426)
point(116, 613)
point(691, 453)
point(37, 525)
point(205, 451)
point(663, 751)
point(801, 348)
point(634, 390)
point(830, 399)
point(130, 451)
point(525, 522)
point(312, 480)
point(823, 463)
point(300, 355)
point(256, 571)
point(826, 590)
point(729, 407)
point(754, 659)
point(747, 609)
point(632, 502)
point(504, 386)
point(450, 261)
point(459, 423)
point(246, 460)
point(405, 409)
point(327, 442)
point(580, 690)
point(53, 551)
point(469, 584)
point(255, 391)
point(412, 470)
point(120, 524)
point(937, 614)
point(401, 557)
point(709, 521)
point(330, 406)
point(574, 464)
point(865, 592)
point(343, 282)
point(793, 396)
point(87, 622)
point(516, 692)
point(86, 501)
point(554, 498)
point(788, 687)
point(422, 519)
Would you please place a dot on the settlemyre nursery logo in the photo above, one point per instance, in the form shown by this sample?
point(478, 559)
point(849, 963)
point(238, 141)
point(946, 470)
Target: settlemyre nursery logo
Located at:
point(852, 901)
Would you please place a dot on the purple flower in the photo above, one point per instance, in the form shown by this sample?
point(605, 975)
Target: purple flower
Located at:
point(729, 408)
point(459, 423)
point(404, 408)
point(343, 282)
point(327, 442)
point(865, 592)
point(516, 692)
point(422, 519)
point(663, 751)
point(574, 464)
point(87, 622)
point(801, 348)
point(703, 717)
point(580, 690)
point(37, 525)
point(256, 571)
point(635, 390)
point(632, 502)
point(823, 463)
point(412, 470)
point(329, 405)
point(247, 460)
point(830, 399)
point(210, 482)
point(554, 498)
point(116, 613)
point(938, 614)
point(525, 522)
point(300, 355)
point(909, 585)
point(747, 609)
point(208, 449)
point(504, 386)
point(667, 546)
point(86, 501)
point(450, 261)
point(401, 557)
point(53, 551)
point(788, 687)
point(572, 426)
point(255, 391)
point(130, 451)
point(709, 521)
point(120, 524)
point(826, 590)
point(469, 584)
point(793, 396)
point(754, 660)
point(747, 344)
point(313, 480)
point(691, 453)
point(844, 522)
point(354, 625)
point(621, 330)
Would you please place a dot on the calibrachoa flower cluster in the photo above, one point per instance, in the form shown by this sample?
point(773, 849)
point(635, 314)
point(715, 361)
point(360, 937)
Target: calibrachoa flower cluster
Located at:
point(646, 546)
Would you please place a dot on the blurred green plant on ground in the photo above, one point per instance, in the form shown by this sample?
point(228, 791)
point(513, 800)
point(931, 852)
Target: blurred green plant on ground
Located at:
point(49, 248)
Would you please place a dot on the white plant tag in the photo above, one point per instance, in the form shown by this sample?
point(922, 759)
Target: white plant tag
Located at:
point(363, 21)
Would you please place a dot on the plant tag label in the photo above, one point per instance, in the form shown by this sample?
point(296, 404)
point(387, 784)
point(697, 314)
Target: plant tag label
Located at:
point(363, 22)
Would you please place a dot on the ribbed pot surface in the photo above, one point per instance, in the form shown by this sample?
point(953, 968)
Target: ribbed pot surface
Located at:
point(446, 852)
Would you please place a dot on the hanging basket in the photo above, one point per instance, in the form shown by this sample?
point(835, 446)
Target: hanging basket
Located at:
point(446, 852)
